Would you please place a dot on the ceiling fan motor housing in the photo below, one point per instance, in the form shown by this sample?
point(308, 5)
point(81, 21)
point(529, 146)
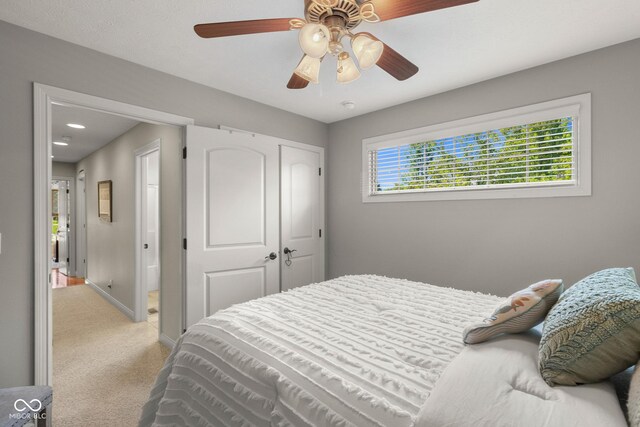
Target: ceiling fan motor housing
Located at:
point(347, 10)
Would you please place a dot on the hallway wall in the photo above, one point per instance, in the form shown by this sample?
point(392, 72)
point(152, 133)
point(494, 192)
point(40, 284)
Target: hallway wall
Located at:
point(111, 246)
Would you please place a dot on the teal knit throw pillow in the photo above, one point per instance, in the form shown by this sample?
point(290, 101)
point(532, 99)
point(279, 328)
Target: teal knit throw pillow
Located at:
point(633, 405)
point(593, 332)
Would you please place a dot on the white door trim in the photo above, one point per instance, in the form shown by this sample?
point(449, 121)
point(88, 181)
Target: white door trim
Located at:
point(140, 306)
point(43, 98)
point(81, 224)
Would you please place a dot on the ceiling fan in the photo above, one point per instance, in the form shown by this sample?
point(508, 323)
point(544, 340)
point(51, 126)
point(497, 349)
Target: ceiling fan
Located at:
point(327, 23)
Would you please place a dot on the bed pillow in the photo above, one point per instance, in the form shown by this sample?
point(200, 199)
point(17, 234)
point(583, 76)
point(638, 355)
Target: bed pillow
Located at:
point(518, 313)
point(633, 405)
point(593, 332)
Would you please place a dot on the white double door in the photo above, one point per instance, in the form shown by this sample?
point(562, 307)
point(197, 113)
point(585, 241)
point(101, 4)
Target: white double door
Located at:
point(248, 198)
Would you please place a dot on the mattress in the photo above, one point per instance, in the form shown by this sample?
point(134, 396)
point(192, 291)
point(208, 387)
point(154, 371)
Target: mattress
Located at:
point(354, 351)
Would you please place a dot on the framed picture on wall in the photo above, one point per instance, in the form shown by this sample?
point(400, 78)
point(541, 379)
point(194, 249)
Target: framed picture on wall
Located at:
point(104, 200)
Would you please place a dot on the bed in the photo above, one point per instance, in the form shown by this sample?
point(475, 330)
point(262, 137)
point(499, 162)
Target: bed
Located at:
point(358, 351)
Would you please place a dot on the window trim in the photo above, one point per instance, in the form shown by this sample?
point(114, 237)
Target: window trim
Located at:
point(578, 106)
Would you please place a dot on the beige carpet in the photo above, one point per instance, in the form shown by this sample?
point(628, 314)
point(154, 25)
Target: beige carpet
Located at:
point(103, 364)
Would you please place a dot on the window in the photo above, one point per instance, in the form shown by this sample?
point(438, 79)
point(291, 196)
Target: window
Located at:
point(537, 151)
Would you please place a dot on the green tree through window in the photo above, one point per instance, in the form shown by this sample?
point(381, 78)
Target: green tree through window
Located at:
point(531, 154)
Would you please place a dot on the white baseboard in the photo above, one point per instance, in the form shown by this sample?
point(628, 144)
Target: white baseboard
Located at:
point(168, 342)
point(117, 304)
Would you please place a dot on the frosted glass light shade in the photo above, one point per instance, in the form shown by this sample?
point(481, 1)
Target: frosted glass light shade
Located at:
point(314, 40)
point(347, 69)
point(367, 50)
point(309, 69)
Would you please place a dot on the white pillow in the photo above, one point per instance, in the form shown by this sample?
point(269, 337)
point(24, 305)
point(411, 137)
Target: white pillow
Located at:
point(633, 406)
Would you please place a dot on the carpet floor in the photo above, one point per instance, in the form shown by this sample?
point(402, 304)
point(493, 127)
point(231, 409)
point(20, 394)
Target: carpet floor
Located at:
point(104, 365)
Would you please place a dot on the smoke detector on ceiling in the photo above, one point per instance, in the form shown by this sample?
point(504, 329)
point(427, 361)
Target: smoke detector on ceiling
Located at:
point(349, 105)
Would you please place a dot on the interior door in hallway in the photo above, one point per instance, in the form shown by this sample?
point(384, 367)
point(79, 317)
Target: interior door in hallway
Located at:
point(301, 217)
point(63, 227)
point(232, 191)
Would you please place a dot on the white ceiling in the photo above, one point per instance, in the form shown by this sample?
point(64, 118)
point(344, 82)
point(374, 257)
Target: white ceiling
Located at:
point(453, 47)
point(101, 129)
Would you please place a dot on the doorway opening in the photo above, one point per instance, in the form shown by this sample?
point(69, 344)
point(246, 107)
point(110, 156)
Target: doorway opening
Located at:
point(45, 99)
point(148, 233)
point(63, 260)
point(81, 225)
point(85, 236)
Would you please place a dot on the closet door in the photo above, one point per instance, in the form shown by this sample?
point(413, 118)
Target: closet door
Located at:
point(232, 220)
point(302, 216)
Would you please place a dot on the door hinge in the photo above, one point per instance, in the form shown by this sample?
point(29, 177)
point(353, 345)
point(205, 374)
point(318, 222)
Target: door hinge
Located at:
point(67, 260)
point(320, 233)
point(184, 152)
point(67, 191)
point(184, 244)
point(319, 171)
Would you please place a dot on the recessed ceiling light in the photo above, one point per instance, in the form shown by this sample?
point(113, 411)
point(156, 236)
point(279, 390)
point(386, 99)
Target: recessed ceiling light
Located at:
point(64, 144)
point(75, 126)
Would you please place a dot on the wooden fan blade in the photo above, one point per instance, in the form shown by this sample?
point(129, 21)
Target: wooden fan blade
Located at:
point(397, 65)
point(392, 9)
point(297, 82)
point(394, 63)
point(237, 28)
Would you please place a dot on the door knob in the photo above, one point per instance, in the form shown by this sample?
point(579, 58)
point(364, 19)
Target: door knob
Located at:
point(146, 246)
point(288, 251)
point(271, 256)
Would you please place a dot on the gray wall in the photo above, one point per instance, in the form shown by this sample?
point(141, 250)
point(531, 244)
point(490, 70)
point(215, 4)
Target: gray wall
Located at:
point(28, 57)
point(499, 245)
point(63, 170)
point(111, 245)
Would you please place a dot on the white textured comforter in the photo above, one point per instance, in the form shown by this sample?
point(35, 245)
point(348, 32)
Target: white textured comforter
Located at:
point(354, 351)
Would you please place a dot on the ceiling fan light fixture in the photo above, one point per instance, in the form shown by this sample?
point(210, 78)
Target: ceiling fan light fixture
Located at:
point(314, 40)
point(347, 69)
point(367, 50)
point(335, 48)
point(309, 69)
point(327, 3)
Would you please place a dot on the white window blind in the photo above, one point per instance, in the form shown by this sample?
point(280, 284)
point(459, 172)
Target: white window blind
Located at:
point(541, 150)
point(535, 153)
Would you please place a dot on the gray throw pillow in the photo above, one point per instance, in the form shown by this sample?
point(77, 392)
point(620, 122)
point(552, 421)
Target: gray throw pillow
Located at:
point(518, 313)
point(593, 332)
